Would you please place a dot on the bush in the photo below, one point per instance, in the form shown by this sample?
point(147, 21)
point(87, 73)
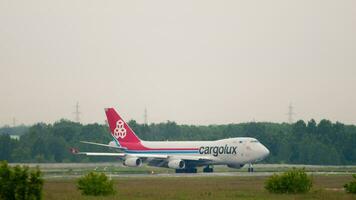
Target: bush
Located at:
point(20, 183)
point(293, 181)
point(351, 187)
point(95, 184)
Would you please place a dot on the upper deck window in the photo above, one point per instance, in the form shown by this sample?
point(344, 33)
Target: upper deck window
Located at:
point(254, 141)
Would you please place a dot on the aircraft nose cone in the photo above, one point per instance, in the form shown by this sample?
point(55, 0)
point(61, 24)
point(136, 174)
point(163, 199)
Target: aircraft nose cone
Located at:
point(265, 152)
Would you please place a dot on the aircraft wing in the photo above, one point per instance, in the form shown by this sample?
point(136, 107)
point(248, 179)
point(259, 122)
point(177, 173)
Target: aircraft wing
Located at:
point(159, 160)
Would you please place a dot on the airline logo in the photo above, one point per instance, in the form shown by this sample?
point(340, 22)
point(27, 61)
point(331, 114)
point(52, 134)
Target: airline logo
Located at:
point(120, 131)
point(216, 150)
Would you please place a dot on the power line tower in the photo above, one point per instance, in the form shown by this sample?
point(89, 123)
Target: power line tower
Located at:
point(290, 113)
point(77, 113)
point(145, 117)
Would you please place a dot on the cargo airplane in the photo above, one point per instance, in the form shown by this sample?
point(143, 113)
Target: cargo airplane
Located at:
point(183, 156)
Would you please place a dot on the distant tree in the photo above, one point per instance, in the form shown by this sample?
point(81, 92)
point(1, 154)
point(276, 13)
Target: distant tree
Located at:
point(57, 148)
point(66, 129)
point(39, 148)
point(312, 126)
point(324, 127)
point(299, 128)
point(300, 143)
point(6, 145)
point(17, 130)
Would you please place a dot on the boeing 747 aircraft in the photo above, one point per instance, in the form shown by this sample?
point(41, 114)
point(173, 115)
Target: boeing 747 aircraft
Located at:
point(183, 156)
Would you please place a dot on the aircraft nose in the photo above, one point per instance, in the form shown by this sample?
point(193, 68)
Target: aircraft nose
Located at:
point(265, 151)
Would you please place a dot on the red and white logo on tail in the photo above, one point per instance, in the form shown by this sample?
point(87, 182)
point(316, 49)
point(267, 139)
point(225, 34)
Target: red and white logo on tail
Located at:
point(120, 131)
point(119, 128)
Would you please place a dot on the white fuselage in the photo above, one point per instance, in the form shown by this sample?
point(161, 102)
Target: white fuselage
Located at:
point(232, 151)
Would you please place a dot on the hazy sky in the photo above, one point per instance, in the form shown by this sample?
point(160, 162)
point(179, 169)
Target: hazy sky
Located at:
point(189, 61)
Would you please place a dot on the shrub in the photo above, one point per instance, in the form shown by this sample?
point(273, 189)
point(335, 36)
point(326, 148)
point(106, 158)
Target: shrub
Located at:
point(20, 183)
point(351, 187)
point(95, 184)
point(293, 181)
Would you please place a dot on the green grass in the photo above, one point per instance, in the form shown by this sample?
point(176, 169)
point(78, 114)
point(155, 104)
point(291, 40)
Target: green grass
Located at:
point(156, 188)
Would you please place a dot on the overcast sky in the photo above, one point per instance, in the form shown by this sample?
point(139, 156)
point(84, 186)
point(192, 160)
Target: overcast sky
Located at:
point(189, 61)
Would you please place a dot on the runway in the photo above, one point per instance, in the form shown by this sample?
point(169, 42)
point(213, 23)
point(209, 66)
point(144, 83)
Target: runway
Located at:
point(189, 175)
point(117, 170)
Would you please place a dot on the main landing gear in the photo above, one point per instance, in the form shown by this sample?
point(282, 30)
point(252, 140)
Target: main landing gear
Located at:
point(208, 169)
point(187, 170)
point(250, 168)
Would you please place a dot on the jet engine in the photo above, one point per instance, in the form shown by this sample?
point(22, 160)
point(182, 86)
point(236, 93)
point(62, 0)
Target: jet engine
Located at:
point(133, 162)
point(235, 166)
point(176, 164)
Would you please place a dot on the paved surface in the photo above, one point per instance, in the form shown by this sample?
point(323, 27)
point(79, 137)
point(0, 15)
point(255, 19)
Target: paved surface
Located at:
point(241, 174)
point(119, 164)
point(74, 170)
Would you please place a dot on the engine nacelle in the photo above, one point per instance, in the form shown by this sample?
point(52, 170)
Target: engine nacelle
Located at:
point(176, 164)
point(236, 166)
point(133, 162)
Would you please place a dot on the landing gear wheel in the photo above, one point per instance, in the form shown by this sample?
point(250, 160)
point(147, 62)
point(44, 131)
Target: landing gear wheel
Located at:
point(250, 168)
point(208, 169)
point(191, 170)
point(180, 171)
point(187, 170)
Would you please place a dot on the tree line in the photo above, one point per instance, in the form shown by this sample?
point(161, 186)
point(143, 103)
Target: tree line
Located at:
point(323, 143)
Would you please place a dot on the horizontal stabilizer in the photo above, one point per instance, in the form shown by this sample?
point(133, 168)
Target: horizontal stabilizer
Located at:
point(157, 156)
point(102, 154)
point(104, 145)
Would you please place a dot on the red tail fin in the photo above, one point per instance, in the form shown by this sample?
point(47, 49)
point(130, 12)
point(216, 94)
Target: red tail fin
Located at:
point(120, 130)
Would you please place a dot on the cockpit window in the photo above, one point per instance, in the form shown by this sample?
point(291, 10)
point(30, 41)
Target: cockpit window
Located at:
point(254, 141)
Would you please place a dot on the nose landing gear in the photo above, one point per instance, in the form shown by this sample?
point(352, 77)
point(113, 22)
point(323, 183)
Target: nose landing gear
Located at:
point(250, 168)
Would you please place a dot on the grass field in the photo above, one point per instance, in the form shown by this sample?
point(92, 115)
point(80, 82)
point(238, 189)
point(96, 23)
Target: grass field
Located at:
point(325, 187)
